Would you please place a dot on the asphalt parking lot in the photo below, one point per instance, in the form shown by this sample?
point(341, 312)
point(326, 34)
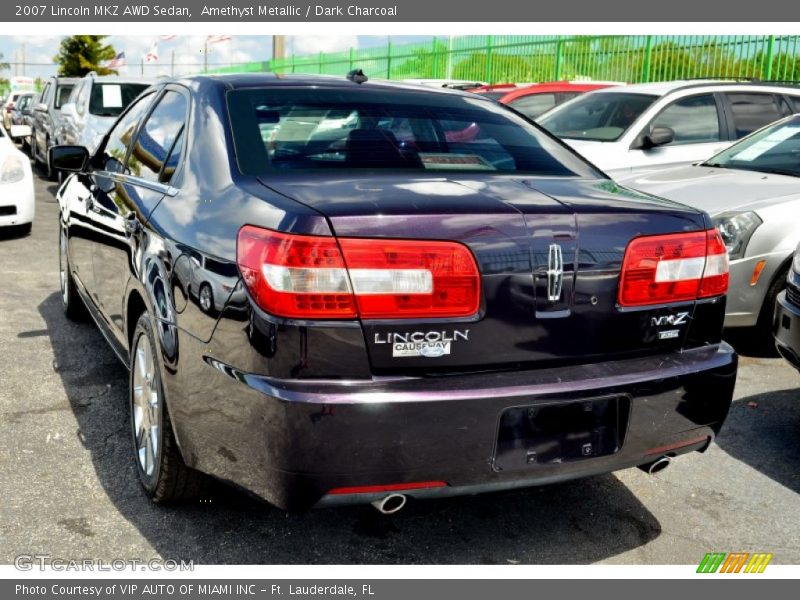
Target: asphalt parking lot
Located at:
point(69, 488)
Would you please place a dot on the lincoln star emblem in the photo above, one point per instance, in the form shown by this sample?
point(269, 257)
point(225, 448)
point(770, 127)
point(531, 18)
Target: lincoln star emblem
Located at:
point(555, 273)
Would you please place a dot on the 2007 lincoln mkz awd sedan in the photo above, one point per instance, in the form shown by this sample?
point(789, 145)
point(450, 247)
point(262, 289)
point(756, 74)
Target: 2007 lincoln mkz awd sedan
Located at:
point(417, 293)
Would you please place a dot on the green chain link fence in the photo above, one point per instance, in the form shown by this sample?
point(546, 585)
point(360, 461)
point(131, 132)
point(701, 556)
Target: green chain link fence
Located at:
point(496, 59)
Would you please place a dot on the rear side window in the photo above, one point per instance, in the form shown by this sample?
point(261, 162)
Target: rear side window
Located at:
point(694, 120)
point(534, 105)
point(387, 129)
point(110, 99)
point(173, 160)
point(752, 111)
point(158, 136)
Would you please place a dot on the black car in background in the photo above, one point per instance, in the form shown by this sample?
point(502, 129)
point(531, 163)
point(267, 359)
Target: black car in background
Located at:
point(417, 293)
point(787, 316)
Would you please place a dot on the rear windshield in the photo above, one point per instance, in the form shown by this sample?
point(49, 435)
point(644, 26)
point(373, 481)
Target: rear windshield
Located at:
point(327, 129)
point(110, 99)
point(62, 94)
point(601, 117)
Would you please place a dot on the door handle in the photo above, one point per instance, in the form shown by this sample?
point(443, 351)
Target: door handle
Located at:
point(90, 204)
point(132, 224)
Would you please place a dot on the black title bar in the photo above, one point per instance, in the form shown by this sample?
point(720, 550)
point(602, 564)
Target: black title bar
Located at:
point(443, 11)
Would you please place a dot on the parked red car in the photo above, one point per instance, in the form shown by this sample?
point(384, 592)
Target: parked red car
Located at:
point(534, 100)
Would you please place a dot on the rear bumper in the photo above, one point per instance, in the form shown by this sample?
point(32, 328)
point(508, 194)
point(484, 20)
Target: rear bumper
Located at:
point(786, 328)
point(293, 442)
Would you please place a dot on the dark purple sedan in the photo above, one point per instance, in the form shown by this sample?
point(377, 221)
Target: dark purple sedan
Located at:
point(414, 293)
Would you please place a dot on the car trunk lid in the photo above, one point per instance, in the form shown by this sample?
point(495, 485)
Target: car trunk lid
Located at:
point(549, 253)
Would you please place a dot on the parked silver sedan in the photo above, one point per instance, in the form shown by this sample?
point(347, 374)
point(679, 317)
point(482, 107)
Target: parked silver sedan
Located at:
point(752, 191)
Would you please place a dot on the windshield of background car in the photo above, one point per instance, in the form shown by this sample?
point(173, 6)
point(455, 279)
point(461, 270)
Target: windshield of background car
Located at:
point(599, 117)
point(324, 129)
point(62, 94)
point(775, 149)
point(110, 99)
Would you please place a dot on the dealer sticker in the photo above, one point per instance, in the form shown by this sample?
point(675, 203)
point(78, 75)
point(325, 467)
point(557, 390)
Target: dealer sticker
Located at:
point(427, 349)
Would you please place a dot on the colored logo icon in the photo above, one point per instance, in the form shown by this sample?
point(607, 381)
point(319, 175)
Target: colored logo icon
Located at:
point(736, 562)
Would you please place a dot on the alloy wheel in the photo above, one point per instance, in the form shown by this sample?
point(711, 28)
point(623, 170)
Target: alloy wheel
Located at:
point(146, 408)
point(205, 298)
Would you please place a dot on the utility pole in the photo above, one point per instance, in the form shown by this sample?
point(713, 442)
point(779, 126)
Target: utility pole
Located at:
point(205, 56)
point(278, 47)
point(23, 60)
point(172, 64)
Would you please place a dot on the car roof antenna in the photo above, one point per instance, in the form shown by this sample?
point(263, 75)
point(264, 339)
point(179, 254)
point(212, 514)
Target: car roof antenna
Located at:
point(357, 76)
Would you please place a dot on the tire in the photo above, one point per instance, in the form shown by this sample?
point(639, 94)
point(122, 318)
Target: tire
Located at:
point(205, 297)
point(71, 302)
point(164, 476)
point(35, 151)
point(49, 173)
point(764, 340)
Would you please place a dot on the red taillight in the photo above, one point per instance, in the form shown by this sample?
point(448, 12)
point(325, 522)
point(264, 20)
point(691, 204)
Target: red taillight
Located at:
point(390, 487)
point(677, 267)
point(317, 277)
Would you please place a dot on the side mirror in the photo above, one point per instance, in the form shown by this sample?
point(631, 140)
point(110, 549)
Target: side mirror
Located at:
point(41, 107)
point(69, 158)
point(659, 136)
point(20, 131)
point(69, 110)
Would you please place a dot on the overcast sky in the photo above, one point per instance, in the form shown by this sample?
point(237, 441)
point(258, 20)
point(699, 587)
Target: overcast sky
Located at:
point(188, 51)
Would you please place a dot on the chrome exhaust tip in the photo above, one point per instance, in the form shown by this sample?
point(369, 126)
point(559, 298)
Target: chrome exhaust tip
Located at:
point(390, 504)
point(659, 465)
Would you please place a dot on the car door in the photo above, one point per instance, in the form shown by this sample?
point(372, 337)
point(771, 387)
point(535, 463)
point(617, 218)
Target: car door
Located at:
point(127, 196)
point(93, 196)
point(699, 132)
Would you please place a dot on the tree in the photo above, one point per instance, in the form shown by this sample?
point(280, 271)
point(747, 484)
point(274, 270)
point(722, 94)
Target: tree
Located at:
point(4, 66)
point(80, 54)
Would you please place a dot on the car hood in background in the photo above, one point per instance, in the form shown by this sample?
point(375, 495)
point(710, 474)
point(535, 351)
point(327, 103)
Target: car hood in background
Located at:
point(717, 190)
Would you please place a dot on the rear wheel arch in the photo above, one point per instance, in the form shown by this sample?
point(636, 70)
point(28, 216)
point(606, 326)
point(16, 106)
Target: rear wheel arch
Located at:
point(172, 480)
point(767, 310)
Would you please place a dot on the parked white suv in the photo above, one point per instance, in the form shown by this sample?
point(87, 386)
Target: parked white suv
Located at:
point(648, 126)
point(93, 107)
